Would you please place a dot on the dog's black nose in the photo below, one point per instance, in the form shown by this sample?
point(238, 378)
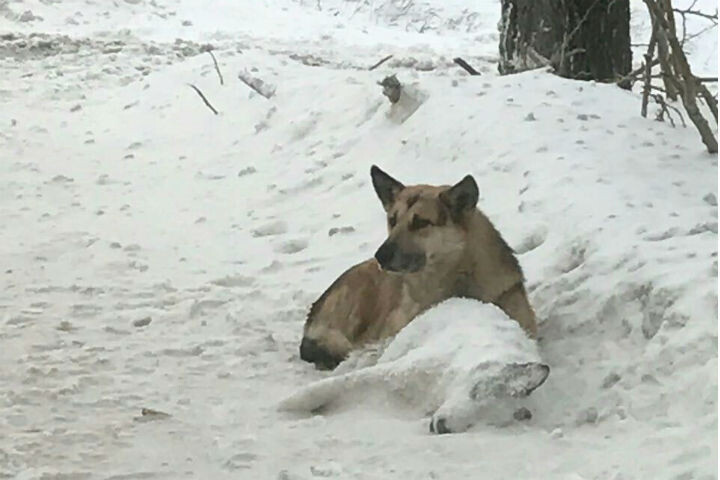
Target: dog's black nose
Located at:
point(311, 351)
point(385, 253)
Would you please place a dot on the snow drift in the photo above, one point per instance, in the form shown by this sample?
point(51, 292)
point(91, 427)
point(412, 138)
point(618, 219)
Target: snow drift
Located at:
point(454, 360)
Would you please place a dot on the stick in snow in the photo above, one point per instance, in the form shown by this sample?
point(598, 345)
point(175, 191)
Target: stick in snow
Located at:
point(466, 66)
point(203, 98)
point(217, 68)
point(260, 87)
point(392, 88)
point(380, 63)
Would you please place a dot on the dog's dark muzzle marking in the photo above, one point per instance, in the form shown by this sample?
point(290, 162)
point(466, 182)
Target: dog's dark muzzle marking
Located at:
point(392, 260)
point(311, 351)
point(385, 254)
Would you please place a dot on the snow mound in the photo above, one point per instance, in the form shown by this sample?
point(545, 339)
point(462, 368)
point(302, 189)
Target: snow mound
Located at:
point(454, 360)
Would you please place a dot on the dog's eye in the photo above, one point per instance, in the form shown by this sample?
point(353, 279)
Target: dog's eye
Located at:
point(418, 223)
point(392, 220)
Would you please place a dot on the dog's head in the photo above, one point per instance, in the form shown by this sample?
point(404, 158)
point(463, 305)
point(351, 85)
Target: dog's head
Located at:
point(426, 224)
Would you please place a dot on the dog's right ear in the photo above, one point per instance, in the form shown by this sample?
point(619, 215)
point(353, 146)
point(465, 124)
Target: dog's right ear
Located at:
point(385, 186)
point(461, 197)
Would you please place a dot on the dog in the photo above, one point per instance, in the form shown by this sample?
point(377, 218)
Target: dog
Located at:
point(439, 246)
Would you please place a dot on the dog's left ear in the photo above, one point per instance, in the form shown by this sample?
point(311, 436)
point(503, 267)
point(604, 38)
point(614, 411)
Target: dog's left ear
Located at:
point(462, 196)
point(385, 186)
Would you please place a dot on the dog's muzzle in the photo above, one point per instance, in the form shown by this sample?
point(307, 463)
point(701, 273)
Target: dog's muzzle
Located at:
point(391, 259)
point(311, 351)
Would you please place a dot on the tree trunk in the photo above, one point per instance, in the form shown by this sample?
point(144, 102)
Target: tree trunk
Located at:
point(580, 39)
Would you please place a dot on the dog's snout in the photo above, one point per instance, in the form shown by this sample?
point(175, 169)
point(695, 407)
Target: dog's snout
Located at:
point(385, 253)
point(311, 351)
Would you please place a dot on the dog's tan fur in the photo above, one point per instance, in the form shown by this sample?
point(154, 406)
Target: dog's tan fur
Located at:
point(461, 255)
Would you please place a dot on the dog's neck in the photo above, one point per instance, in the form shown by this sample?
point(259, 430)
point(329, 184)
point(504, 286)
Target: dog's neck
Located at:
point(432, 286)
point(487, 272)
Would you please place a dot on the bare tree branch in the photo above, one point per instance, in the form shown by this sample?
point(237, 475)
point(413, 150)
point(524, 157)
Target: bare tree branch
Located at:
point(699, 32)
point(628, 80)
point(677, 72)
point(465, 66)
point(380, 63)
point(217, 68)
point(203, 98)
point(710, 100)
point(648, 70)
point(689, 11)
point(665, 111)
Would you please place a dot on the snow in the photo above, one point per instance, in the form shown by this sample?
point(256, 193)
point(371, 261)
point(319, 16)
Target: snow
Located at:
point(454, 361)
point(155, 255)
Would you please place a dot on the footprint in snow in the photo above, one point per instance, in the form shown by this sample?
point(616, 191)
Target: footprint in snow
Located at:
point(663, 235)
point(61, 179)
point(233, 281)
point(269, 229)
point(573, 258)
point(532, 241)
point(292, 246)
point(199, 308)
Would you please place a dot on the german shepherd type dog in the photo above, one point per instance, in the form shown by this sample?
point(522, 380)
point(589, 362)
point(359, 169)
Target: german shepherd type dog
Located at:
point(439, 245)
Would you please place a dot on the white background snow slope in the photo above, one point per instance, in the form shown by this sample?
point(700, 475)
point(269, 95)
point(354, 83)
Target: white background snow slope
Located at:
point(124, 200)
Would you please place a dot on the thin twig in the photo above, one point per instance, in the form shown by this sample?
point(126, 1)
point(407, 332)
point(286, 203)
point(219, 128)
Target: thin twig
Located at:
point(664, 110)
point(688, 11)
point(217, 68)
point(628, 80)
point(465, 66)
point(710, 100)
point(380, 63)
point(699, 32)
point(666, 66)
point(648, 70)
point(677, 63)
point(707, 79)
point(203, 98)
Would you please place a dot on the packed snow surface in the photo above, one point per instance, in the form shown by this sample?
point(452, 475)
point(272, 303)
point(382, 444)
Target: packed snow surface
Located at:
point(158, 259)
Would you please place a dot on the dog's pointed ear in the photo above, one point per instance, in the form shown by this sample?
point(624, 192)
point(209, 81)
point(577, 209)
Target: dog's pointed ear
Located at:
point(524, 378)
point(461, 197)
point(385, 186)
point(516, 380)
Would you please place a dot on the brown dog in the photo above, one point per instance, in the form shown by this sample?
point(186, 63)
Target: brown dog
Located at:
point(439, 246)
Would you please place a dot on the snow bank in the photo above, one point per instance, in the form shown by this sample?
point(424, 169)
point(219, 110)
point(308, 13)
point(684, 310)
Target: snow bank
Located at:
point(452, 360)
